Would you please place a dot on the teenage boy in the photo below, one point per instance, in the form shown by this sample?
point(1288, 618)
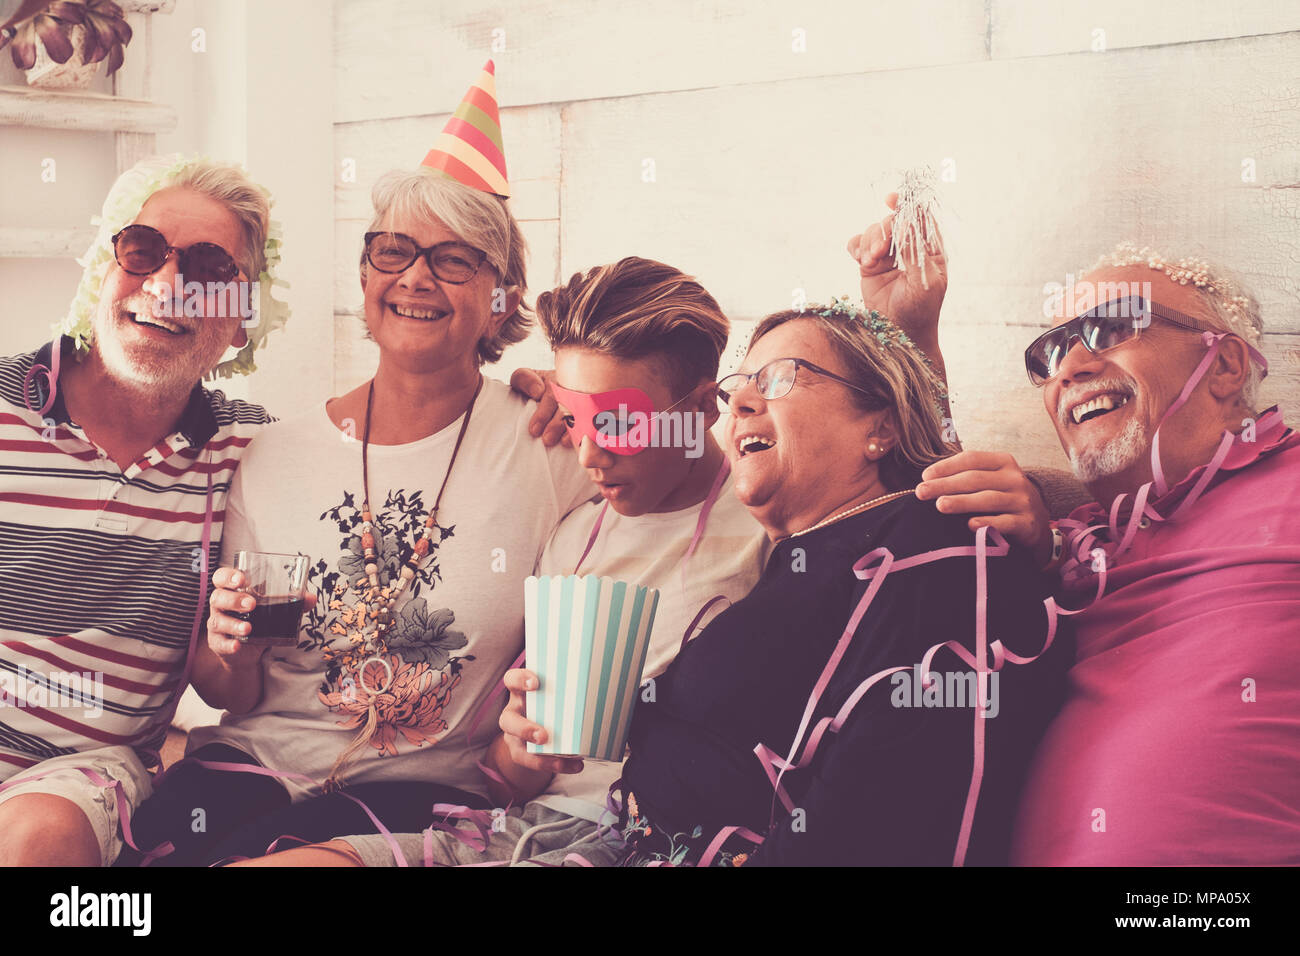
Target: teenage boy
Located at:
point(637, 346)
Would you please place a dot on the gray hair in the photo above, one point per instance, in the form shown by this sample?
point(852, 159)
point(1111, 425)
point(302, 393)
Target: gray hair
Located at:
point(247, 202)
point(477, 218)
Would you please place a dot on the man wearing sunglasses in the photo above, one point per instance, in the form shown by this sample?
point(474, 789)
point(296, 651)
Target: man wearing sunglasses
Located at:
point(1185, 573)
point(117, 462)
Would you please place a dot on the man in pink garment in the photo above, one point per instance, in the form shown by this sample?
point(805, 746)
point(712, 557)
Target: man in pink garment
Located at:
point(1179, 742)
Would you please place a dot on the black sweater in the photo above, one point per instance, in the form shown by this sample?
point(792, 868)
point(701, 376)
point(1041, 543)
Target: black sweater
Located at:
point(891, 786)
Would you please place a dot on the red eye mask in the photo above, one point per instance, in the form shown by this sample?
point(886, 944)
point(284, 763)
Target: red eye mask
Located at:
point(620, 422)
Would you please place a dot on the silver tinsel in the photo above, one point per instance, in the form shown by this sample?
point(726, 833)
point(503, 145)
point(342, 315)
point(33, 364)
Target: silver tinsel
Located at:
point(916, 232)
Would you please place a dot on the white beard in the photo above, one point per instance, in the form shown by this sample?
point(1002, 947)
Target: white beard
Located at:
point(154, 368)
point(1121, 452)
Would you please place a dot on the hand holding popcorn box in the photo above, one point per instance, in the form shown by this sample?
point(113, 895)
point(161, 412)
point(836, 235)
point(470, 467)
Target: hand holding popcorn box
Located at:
point(586, 638)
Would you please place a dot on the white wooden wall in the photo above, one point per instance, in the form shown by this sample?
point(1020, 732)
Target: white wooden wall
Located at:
point(766, 159)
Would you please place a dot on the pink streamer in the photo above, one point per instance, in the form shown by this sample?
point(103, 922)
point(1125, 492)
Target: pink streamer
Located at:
point(863, 570)
point(51, 375)
point(1084, 539)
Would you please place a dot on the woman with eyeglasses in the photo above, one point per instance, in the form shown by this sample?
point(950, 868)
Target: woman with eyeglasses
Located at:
point(423, 502)
point(798, 728)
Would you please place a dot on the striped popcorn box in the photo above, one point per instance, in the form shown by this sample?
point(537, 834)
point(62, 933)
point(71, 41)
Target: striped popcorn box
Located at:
point(586, 639)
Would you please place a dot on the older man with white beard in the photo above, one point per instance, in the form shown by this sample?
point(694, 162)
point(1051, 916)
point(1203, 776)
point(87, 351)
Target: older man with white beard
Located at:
point(112, 496)
point(1179, 742)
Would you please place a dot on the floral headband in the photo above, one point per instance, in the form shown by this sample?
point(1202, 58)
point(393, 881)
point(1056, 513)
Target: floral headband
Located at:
point(1195, 272)
point(123, 204)
point(887, 334)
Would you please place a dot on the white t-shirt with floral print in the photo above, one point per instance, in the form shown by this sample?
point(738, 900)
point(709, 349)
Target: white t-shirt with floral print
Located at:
point(458, 625)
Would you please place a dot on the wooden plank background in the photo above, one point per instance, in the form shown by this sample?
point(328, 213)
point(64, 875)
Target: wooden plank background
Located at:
point(766, 160)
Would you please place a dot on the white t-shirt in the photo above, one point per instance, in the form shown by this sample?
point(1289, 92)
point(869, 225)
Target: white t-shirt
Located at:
point(648, 550)
point(459, 624)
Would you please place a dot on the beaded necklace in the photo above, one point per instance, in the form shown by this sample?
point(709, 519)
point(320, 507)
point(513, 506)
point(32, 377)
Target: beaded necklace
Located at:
point(375, 648)
point(862, 507)
point(422, 544)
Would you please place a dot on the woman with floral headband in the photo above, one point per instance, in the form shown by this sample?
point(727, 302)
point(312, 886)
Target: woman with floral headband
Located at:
point(798, 727)
point(802, 725)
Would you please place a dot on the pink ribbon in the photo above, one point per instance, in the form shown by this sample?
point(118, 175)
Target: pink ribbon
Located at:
point(286, 775)
point(885, 563)
point(51, 376)
point(591, 539)
point(709, 501)
point(122, 813)
point(497, 690)
point(716, 843)
point(1084, 540)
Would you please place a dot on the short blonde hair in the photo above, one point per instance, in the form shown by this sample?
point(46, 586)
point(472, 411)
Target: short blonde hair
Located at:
point(894, 378)
point(482, 220)
point(636, 308)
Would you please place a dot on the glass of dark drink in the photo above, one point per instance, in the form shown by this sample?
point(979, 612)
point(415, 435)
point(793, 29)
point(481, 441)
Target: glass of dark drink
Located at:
point(278, 582)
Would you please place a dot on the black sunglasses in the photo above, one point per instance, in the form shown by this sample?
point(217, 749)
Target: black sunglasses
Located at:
point(775, 379)
point(141, 251)
point(1104, 327)
point(453, 262)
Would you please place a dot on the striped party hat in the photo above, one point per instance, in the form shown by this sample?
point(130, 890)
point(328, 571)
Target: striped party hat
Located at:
point(469, 148)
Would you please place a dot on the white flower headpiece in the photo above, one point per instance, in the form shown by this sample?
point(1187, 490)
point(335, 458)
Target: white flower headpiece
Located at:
point(888, 335)
point(124, 202)
point(1195, 272)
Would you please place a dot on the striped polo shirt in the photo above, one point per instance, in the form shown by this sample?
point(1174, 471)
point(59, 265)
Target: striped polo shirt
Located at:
point(100, 570)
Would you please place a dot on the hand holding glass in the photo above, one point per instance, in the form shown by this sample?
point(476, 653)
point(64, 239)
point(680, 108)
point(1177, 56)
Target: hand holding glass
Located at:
point(278, 583)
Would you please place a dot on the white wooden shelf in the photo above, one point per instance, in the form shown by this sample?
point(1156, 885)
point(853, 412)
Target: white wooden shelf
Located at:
point(20, 106)
point(20, 243)
point(135, 121)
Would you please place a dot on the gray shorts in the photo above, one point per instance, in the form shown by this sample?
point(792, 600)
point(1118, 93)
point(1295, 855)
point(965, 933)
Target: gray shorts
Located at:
point(63, 778)
point(532, 835)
